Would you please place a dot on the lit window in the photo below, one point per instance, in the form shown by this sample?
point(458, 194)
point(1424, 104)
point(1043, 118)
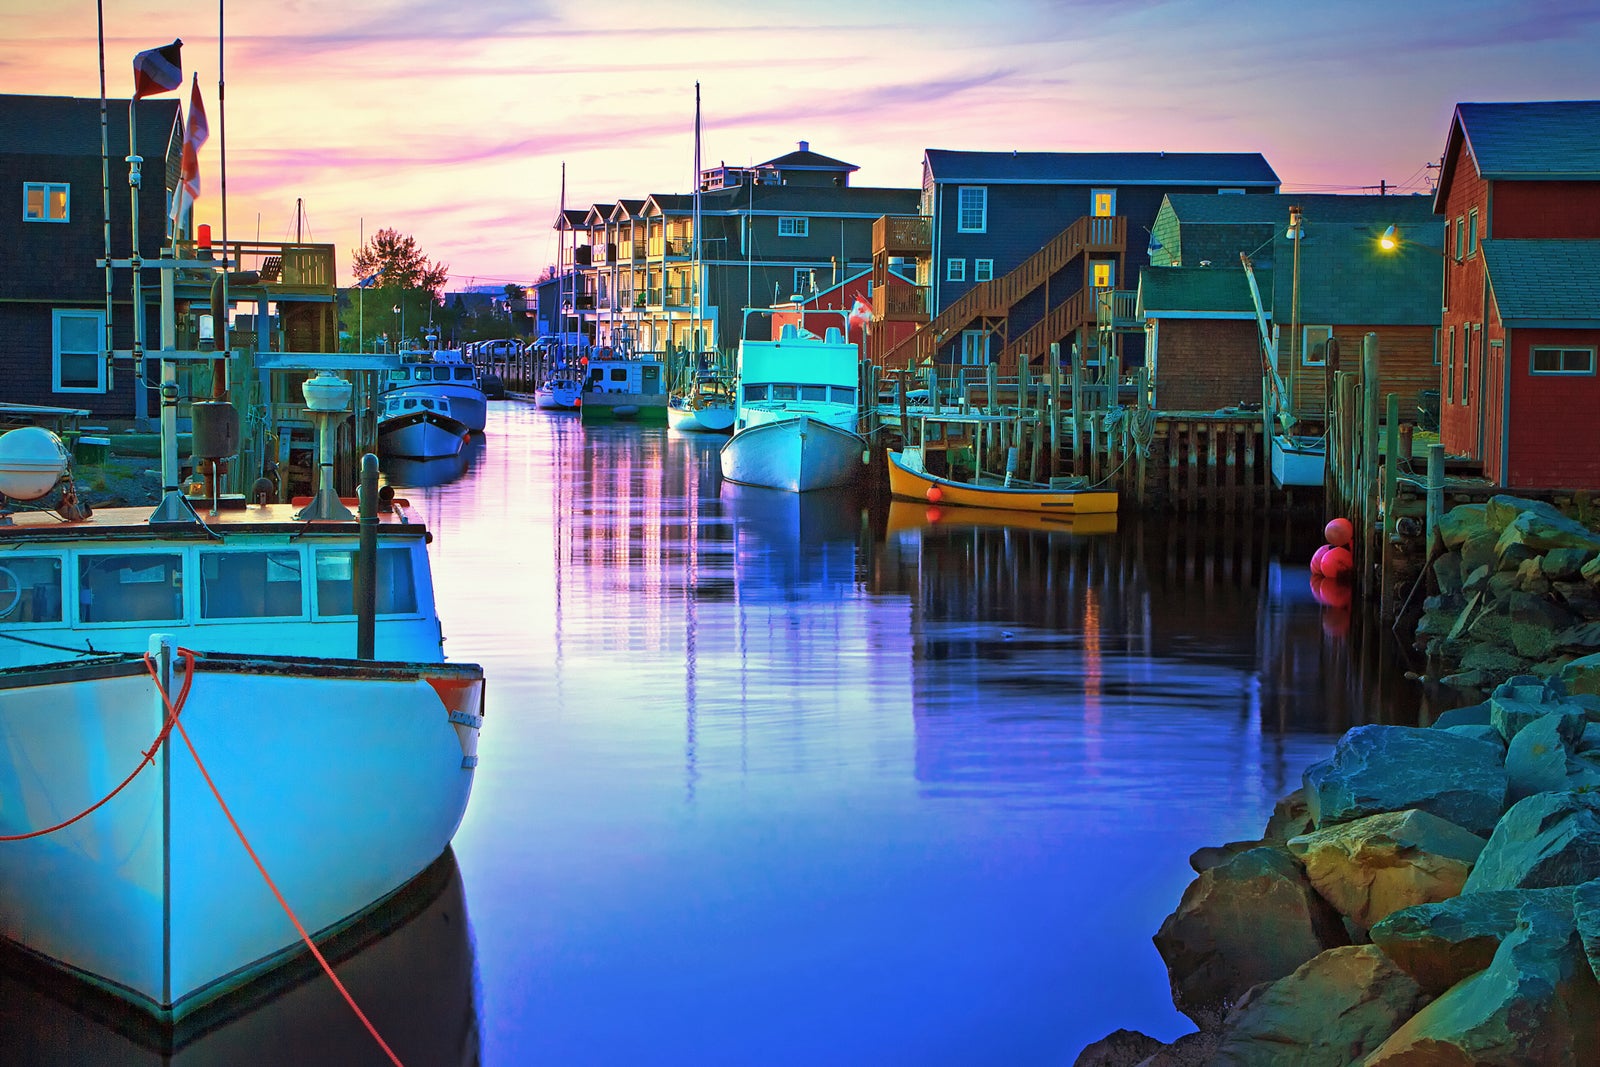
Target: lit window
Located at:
point(793, 227)
point(982, 270)
point(1552, 360)
point(1103, 203)
point(78, 362)
point(46, 202)
point(1102, 274)
point(972, 209)
point(955, 270)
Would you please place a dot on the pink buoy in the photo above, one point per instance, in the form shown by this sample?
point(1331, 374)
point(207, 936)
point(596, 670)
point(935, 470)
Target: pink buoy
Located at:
point(1317, 559)
point(935, 494)
point(1339, 531)
point(1337, 563)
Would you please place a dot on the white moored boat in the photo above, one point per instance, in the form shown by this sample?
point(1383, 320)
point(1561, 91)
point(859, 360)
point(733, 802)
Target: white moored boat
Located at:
point(443, 372)
point(797, 413)
point(416, 426)
point(706, 405)
point(348, 776)
point(558, 394)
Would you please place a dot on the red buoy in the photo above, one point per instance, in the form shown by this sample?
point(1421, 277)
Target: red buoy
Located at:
point(1339, 531)
point(1337, 563)
point(935, 494)
point(933, 515)
point(1317, 559)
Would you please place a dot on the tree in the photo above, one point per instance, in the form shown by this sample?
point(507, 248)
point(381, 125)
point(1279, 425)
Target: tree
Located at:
point(401, 262)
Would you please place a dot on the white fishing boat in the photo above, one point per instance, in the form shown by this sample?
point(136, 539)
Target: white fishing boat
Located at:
point(1298, 459)
point(797, 410)
point(706, 405)
point(348, 776)
point(558, 394)
point(444, 373)
point(413, 425)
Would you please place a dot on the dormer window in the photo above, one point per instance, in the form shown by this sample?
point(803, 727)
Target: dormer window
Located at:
point(46, 202)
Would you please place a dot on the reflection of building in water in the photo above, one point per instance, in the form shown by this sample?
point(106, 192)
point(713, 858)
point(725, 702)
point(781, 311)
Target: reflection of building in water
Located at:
point(409, 964)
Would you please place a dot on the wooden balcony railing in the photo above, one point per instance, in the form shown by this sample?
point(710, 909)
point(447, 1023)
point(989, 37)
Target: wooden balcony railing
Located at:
point(900, 303)
point(286, 269)
point(902, 235)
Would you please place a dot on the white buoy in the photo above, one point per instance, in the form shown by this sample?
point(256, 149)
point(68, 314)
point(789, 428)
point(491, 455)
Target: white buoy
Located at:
point(32, 461)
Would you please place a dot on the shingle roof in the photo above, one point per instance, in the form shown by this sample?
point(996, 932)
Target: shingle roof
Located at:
point(799, 199)
point(1273, 208)
point(1202, 289)
point(1553, 139)
point(1545, 281)
point(1120, 168)
point(69, 126)
point(808, 160)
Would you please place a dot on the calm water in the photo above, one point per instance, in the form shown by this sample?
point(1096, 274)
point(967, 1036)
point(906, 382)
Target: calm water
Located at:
point(779, 780)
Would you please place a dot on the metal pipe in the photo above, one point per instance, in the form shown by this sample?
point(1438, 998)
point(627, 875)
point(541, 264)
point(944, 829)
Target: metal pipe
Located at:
point(366, 576)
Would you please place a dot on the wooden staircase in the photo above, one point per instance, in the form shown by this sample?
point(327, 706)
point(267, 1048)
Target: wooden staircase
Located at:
point(994, 299)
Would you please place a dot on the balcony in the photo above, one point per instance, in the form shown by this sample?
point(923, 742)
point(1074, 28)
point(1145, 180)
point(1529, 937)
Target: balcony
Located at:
point(582, 255)
point(288, 271)
point(900, 303)
point(902, 235)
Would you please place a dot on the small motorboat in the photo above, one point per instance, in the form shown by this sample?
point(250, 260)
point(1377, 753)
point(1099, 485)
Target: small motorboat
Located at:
point(415, 425)
point(558, 394)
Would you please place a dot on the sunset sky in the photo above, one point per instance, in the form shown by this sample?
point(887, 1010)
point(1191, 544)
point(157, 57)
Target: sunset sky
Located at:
point(451, 120)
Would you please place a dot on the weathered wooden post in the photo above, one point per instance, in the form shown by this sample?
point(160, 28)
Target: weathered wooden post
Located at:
point(1435, 490)
point(1391, 487)
point(1077, 413)
point(1369, 456)
point(1055, 409)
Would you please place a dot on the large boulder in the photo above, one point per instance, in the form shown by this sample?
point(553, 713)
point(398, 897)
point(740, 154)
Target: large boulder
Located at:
point(1565, 564)
point(1441, 944)
point(1478, 554)
point(1291, 817)
point(1373, 866)
point(1393, 768)
point(1330, 1012)
point(1460, 523)
point(1541, 531)
point(1586, 917)
point(1536, 1003)
point(1524, 699)
point(1503, 509)
point(1547, 839)
point(1252, 919)
point(1536, 759)
point(1582, 675)
point(1120, 1048)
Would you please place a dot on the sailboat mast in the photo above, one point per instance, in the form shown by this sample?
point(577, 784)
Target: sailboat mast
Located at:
point(699, 289)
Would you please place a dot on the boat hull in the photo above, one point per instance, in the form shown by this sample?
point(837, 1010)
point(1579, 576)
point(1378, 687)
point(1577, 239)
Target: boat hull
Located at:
point(421, 435)
point(700, 419)
point(467, 402)
point(1298, 460)
point(797, 454)
point(907, 483)
point(557, 396)
point(348, 778)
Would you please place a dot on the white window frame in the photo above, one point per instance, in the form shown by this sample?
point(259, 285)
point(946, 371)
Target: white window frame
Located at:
point(1094, 197)
point(1305, 346)
point(983, 270)
point(46, 188)
point(1563, 351)
point(804, 281)
point(955, 269)
point(972, 209)
point(1472, 233)
point(99, 318)
point(794, 226)
point(974, 348)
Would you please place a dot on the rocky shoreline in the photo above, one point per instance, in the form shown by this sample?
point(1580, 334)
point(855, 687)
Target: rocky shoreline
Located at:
point(1431, 895)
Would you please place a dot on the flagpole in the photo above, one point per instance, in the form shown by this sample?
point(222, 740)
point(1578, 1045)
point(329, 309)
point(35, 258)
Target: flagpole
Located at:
point(361, 293)
point(105, 192)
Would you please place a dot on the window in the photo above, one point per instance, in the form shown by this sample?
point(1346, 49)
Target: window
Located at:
point(1552, 360)
point(250, 585)
point(754, 393)
point(30, 589)
point(1450, 369)
point(791, 226)
point(805, 281)
point(1436, 330)
point(1235, 191)
point(1314, 345)
point(842, 394)
point(1469, 344)
point(1102, 203)
point(1101, 274)
point(814, 393)
point(46, 202)
point(396, 593)
point(972, 209)
point(1472, 232)
point(1461, 237)
point(79, 366)
point(955, 270)
point(785, 392)
point(130, 587)
point(982, 270)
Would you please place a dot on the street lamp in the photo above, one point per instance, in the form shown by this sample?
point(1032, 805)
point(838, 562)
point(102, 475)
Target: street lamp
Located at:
point(399, 309)
point(1295, 233)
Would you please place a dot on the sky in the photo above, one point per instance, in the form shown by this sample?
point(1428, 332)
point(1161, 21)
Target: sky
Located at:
point(451, 120)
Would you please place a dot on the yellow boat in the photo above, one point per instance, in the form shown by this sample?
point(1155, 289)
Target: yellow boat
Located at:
point(907, 515)
point(909, 481)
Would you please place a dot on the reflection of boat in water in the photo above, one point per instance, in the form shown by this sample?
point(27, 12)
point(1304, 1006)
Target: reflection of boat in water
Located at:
point(420, 473)
point(787, 542)
point(408, 962)
point(905, 515)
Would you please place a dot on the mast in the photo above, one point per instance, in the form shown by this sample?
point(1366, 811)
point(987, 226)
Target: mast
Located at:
point(561, 270)
point(699, 289)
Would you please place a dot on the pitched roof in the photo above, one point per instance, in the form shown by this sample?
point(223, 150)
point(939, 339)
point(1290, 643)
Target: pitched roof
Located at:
point(70, 126)
point(1549, 140)
point(1119, 168)
point(794, 199)
point(1545, 282)
point(1223, 292)
point(805, 159)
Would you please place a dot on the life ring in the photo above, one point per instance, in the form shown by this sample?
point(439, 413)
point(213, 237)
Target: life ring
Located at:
point(8, 579)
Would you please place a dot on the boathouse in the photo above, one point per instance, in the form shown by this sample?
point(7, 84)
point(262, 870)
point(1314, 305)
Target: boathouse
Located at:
point(1519, 194)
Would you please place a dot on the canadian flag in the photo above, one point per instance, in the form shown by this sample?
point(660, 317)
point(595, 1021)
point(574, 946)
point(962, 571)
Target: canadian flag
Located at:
point(860, 312)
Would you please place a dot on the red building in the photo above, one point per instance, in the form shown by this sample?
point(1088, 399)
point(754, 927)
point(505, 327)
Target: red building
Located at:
point(819, 310)
point(1519, 191)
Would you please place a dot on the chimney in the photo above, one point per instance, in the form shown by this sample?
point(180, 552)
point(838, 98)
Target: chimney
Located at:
point(805, 146)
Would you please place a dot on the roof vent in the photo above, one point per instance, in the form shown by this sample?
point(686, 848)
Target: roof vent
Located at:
point(805, 146)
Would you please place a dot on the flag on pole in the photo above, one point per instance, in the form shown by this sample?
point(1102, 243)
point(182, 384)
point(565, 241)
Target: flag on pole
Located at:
point(157, 70)
point(370, 280)
point(860, 312)
point(194, 135)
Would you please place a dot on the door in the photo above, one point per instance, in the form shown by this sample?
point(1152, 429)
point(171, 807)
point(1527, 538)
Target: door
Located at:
point(974, 348)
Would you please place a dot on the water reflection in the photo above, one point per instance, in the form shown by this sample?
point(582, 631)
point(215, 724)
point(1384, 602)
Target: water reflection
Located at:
point(409, 964)
point(402, 472)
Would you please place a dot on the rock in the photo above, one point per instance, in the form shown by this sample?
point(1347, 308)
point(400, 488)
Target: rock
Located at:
point(1472, 714)
point(1190, 1050)
point(1536, 1003)
point(1579, 597)
point(1373, 866)
point(1393, 768)
point(1590, 572)
point(1583, 638)
point(1536, 759)
point(1547, 839)
point(1436, 623)
point(1477, 580)
point(1541, 531)
point(1513, 557)
point(1503, 509)
point(1470, 680)
point(1460, 523)
point(1331, 1011)
point(1501, 585)
point(1518, 701)
point(1252, 919)
point(1586, 917)
point(1565, 564)
point(1478, 551)
point(1495, 663)
point(1441, 944)
point(1290, 818)
point(1203, 859)
point(1582, 675)
point(1480, 732)
point(1121, 1048)
point(1448, 573)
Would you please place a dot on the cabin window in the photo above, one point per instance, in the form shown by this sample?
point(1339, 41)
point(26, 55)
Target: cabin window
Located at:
point(754, 393)
point(1542, 360)
point(843, 394)
point(1314, 346)
point(982, 270)
point(131, 587)
point(972, 209)
point(463, 374)
point(818, 393)
point(399, 375)
point(46, 202)
point(250, 585)
point(955, 270)
point(619, 374)
point(784, 392)
point(1472, 232)
point(1102, 203)
point(30, 589)
point(78, 363)
point(796, 226)
point(397, 590)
